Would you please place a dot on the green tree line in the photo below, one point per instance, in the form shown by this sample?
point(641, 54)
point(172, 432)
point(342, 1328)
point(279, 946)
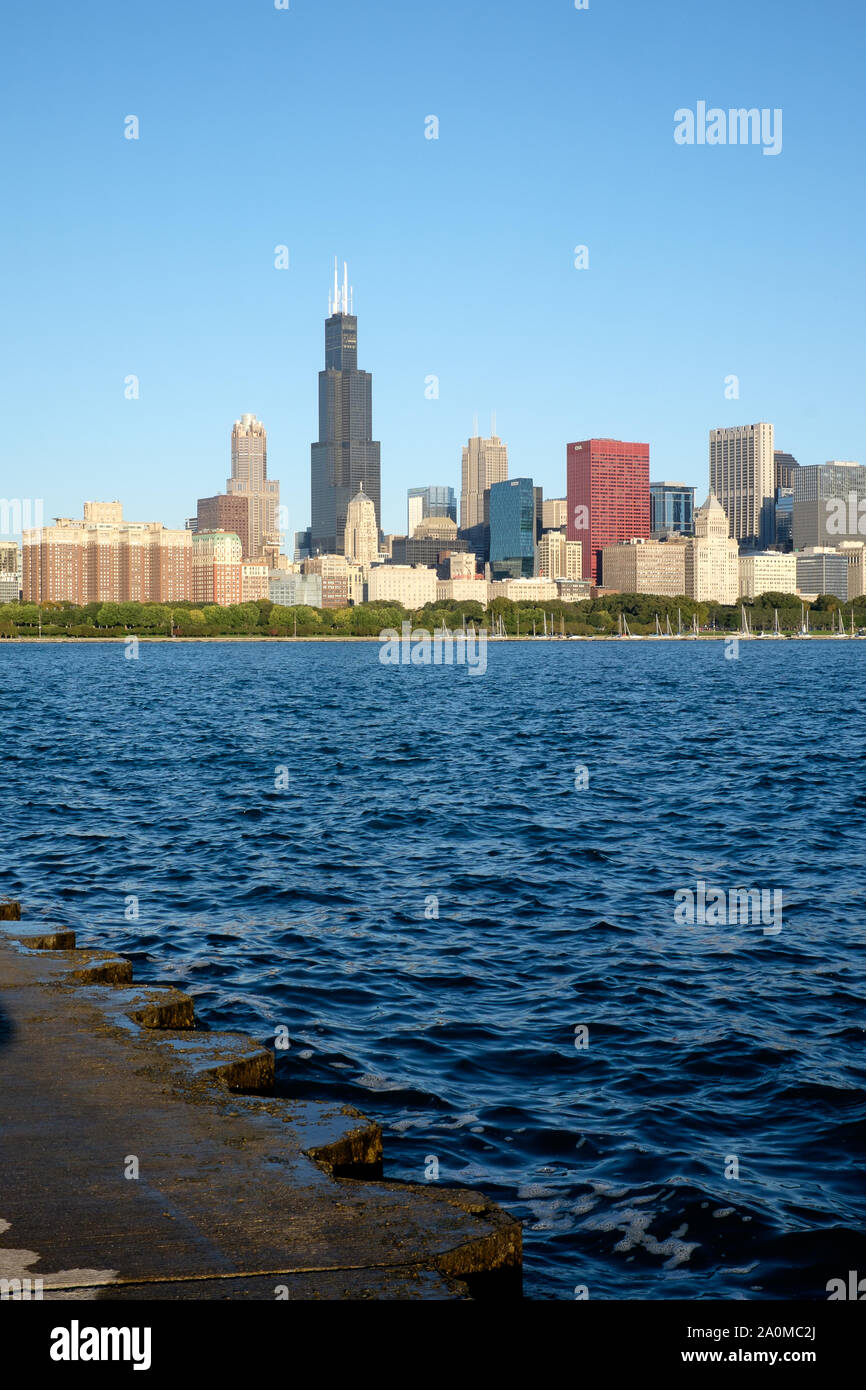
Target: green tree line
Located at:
point(589, 617)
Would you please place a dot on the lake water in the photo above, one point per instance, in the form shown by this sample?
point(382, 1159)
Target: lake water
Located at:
point(292, 817)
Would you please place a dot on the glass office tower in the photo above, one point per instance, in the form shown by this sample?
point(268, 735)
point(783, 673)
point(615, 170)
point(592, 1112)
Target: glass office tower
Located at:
point(345, 458)
point(672, 508)
point(512, 529)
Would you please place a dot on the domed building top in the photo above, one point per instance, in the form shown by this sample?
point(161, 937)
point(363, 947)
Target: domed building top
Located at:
point(711, 519)
point(361, 536)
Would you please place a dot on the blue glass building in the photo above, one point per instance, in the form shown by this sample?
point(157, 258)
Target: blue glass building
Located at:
point(672, 508)
point(512, 529)
point(435, 501)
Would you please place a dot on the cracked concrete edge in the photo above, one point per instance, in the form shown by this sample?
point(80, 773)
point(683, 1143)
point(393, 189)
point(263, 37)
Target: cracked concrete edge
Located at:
point(493, 1258)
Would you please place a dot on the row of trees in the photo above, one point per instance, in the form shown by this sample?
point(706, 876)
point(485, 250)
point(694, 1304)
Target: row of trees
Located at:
point(590, 617)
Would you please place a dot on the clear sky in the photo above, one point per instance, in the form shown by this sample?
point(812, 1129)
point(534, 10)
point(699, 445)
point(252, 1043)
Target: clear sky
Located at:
point(306, 127)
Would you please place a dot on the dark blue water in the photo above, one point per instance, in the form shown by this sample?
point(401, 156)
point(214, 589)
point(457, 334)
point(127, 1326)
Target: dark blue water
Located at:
point(305, 907)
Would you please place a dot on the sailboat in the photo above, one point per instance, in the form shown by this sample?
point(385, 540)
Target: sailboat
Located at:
point(679, 622)
point(695, 631)
point(776, 632)
point(745, 630)
point(658, 626)
point(668, 632)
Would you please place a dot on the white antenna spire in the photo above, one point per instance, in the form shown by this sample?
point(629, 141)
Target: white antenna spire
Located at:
point(345, 295)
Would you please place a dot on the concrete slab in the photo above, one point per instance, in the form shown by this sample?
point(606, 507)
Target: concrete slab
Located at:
point(130, 1171)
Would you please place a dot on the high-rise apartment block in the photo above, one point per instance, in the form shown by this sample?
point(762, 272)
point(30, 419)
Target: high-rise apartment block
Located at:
point(743, 478)
point(608, 497)
point(558, 557)
point(345, 457)
point(217, 568)
point(104, 559)
point(485, 462)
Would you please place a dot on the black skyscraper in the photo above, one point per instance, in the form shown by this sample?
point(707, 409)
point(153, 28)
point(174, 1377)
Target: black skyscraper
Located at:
point(346, 456)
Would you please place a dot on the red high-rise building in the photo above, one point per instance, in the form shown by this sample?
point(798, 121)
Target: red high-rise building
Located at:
point(608, 497)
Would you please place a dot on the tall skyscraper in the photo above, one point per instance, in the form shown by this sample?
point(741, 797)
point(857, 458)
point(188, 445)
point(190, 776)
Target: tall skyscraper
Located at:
point(608, 497)
point(346, 456)
point(672, 508)
point(827, 501)
point(429, 501)
point(512, 529)
point(361, 539)
point(743, 478)
point(250, 479)
point(485, 462)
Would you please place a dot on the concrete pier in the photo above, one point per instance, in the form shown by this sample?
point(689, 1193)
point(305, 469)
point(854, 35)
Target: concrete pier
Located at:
point(141, 1158)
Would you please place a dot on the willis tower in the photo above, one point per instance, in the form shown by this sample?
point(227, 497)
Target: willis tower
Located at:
point(346, 457)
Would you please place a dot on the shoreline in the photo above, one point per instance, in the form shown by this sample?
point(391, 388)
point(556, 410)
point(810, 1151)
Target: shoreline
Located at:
point(248, 637)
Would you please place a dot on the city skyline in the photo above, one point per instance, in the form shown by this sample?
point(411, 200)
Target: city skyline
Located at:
point(173, 282)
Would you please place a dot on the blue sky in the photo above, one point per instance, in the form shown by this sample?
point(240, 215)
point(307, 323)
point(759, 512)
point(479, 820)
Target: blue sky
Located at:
point(261, 127)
